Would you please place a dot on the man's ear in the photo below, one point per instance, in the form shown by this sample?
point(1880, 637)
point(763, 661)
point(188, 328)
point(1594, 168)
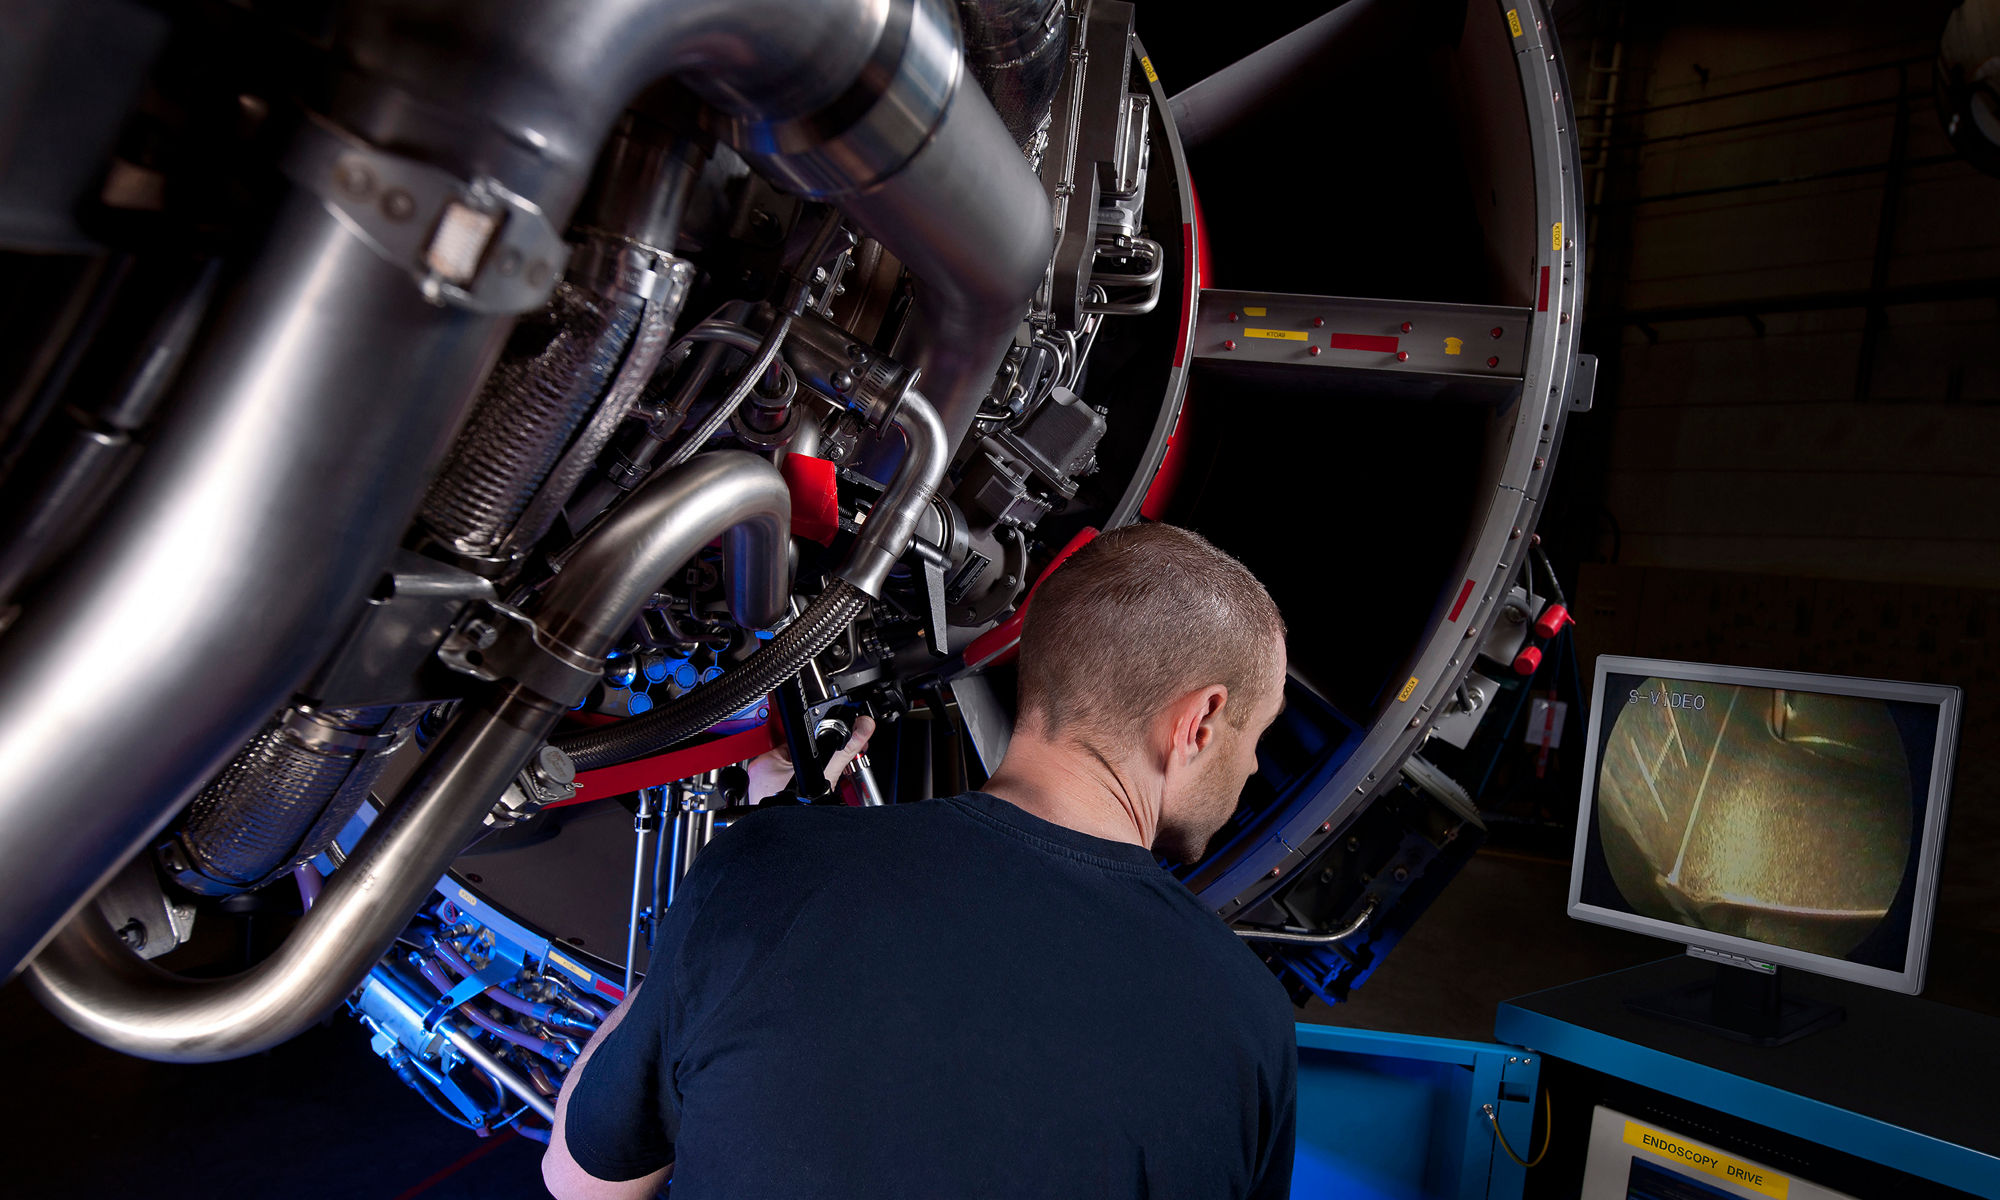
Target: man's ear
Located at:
point(1197, 719)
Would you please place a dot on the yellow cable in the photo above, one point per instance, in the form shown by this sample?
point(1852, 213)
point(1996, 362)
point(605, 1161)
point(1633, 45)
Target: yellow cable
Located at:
point(1548, 1128)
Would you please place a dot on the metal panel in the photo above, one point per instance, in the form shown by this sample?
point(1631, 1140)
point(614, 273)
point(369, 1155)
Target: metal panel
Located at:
point(1387, 1114)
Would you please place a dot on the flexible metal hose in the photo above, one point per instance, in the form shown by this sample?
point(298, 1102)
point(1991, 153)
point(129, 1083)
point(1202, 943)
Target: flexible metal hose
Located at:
point(676, 721)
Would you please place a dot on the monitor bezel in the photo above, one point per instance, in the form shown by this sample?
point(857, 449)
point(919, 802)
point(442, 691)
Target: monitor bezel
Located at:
point(1916, 959)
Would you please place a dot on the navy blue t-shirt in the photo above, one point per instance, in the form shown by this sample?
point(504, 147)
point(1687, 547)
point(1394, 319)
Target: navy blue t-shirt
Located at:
point(946, 999)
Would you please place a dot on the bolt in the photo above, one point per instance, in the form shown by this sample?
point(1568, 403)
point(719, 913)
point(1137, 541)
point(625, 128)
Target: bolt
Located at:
point(1400, 874)
point(1402, 356)
point(1229, 343)
point(1319, 322)
point(841, 381)
point(1326, 876)
point(1354, 845)
point(1496, 331)
point(1233, 318)
point(397, 205)
point(1277, 871)
point(133, 933)
point(1406, 327)
point(1313, 350)
point(1513, 535)
point(1540, 462)
point(1493, 361)
point(1326, 826)
point(858, 353)
point(1565, 319)
point(354, 178)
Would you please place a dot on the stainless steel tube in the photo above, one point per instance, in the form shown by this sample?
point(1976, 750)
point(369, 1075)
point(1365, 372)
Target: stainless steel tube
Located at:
point(894, 518)
point(249, 533)
point(490, 1063)
point(90, 980)
point(920, 160)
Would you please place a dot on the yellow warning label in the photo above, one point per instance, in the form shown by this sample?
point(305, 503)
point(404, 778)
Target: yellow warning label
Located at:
point(1761, 1180)
point(1556, 237)
point(557, 958)
point(1513, 23)
point(1454, 345)
point(1146, 65)
point(1279, 335)
point(1409, 689)
point(1254, 310)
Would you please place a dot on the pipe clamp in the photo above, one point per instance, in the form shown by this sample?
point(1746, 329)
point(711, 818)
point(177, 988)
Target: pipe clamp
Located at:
point(472, 245)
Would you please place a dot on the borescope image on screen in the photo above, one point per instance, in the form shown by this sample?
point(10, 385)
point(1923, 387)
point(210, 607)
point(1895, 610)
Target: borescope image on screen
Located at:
point(1786, 817)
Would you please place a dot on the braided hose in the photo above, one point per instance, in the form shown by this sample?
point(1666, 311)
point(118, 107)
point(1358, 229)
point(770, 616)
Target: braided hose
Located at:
point(676, 721)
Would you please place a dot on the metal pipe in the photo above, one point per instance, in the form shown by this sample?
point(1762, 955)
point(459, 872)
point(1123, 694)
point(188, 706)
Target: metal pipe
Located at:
point(893, 520)
point(642, 827)
point(251, 530)
point(94, 985)
point(1252, 934)
point(479, 1056)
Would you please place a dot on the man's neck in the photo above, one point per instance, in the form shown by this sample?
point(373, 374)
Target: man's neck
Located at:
point(1077, 787)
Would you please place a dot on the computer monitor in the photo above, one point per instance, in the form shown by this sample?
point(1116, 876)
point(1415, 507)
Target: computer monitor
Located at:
point(1767, 818)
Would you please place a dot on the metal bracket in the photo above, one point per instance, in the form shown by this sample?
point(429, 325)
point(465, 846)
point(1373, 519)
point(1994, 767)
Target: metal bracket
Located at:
point(1583, 384)
point(469, 244)
point(511, 646)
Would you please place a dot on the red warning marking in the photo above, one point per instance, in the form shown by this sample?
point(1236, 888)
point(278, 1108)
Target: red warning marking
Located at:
point(1542, 305)
point(608, 990)
point(1361, 341)
point(1464, 594)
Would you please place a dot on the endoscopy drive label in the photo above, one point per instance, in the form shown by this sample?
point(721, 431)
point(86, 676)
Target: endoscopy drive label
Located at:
point(1690, 1156)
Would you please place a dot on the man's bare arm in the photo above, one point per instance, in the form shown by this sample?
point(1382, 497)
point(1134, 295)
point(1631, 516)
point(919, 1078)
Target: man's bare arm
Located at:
point(566, 1180)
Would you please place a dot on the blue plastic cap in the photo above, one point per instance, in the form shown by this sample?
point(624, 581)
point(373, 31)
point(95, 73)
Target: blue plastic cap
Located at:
point(765, 635)
point(686, 675)
point(640, 703)
point(656, 670)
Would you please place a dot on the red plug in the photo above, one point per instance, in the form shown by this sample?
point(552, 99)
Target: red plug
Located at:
point(1554, 619)
point(1528, 661)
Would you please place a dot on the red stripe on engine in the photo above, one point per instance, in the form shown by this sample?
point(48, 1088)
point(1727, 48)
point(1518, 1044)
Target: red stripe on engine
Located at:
point(1542, 305)
point(1464, 594)
point(1361, 341)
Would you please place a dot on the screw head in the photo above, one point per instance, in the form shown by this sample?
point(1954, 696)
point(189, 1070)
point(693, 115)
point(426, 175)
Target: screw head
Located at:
point(841, 381)
point(1319, 322)
point(1233, 318)
point(1496, 331)
point(397, 204)
point(1277, 871)
point(1402, 356)
point(1313, 350)
point(1493, 361)
point(1229, 343)
point(1406, 327)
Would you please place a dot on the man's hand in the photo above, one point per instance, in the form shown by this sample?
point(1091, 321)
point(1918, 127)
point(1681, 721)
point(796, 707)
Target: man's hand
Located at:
point(770, 771)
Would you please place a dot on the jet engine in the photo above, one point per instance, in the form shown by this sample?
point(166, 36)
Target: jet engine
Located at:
point(484, 435)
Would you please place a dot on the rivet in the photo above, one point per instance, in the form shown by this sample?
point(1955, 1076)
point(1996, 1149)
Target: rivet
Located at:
point(397, 205)
point(1313, 350)
point(1319, 322)
point(1493, 361)
point(1513, 535)
point(1229, 343)
point(1233, 318)
point(1402, 356)
point(1540, 462)
point(1406, 327)
point(1277, 871)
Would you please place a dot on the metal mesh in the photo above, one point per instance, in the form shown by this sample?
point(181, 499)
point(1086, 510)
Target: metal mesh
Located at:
point(245, 824)
point(554, 368)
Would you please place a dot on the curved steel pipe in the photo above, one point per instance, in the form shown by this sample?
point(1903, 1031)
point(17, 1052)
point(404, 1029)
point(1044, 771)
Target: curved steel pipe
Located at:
point(893, 520)
point(251, 529)
point(97, 987)
point(256, 523)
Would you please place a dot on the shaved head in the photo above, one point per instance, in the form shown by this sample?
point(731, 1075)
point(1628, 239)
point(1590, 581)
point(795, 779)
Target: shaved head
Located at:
point(1136, 619)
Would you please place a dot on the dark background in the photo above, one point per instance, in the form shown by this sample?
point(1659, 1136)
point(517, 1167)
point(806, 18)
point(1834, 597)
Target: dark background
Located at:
point(1791, 290)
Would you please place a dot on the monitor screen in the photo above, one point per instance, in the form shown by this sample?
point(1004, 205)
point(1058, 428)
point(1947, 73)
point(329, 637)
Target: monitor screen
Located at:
point(1789, 818)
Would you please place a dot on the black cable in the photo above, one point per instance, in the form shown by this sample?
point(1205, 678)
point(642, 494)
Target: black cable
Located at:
point(678, 720)
point(1541, 559)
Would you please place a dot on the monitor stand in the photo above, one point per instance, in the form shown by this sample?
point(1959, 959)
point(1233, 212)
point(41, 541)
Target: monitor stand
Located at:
point(1742, 1005)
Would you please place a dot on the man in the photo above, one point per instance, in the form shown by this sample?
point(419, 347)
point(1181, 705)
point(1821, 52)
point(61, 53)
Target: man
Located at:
point(997, 994)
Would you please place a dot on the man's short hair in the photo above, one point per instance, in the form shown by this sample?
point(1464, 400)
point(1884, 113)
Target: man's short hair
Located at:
point(1136, 619)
